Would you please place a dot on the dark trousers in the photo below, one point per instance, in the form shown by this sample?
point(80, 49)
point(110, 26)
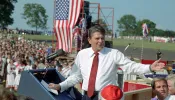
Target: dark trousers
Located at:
point(94, 97)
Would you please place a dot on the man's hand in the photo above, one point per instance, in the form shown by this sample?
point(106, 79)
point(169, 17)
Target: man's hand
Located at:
point(156, 66)
point(55, 86)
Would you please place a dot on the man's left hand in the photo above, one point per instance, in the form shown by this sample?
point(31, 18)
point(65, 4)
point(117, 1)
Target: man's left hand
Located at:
point(157, 66)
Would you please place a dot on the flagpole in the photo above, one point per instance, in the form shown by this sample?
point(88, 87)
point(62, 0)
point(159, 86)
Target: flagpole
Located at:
point(145, 33)
point(142, 49)
point(53, 27)
point(81, 31)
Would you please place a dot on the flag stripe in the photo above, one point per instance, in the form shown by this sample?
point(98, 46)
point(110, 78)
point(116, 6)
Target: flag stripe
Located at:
point(72, 21)
point(56, 34)
point(77, 8)
point(65, 31)
point(65, 35)
point(62, 35)
point(67, 13)
point(68, 35)
point(59, 37)
point(73, 14)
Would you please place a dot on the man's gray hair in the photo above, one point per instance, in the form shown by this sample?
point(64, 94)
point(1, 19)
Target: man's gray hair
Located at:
point(96, 28)
point(172, 78)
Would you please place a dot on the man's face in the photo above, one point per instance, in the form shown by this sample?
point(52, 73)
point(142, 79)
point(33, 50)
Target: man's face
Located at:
point(162, 88)
point(171, 87)
point(97, 41)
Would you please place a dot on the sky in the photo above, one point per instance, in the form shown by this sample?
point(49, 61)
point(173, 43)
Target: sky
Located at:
point(160, 12)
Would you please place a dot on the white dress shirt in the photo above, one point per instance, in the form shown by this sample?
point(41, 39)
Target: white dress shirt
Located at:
point(170, 97)
point(109, 60)
point(66, 71)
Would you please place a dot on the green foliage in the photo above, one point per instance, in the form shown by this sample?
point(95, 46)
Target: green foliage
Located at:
point(35, 14)
point(159, 32)
point(169, 33)
point(6, 10)
point(127, 24)
point(151, 25)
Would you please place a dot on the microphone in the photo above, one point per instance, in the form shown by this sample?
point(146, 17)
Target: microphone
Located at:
point(127, 46)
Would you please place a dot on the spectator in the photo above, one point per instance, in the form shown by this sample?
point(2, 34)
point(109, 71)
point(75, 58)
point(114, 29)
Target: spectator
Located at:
point(160, 89)
point(10, 75)
point(171, 84)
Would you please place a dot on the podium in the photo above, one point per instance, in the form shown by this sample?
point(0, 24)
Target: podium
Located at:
point(30, 85)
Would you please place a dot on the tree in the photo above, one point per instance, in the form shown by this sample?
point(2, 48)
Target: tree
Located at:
point(127, 25)
point(151, 26)
point(159, 32)
point(35, 14)
point(169, 33)
point(6, 10)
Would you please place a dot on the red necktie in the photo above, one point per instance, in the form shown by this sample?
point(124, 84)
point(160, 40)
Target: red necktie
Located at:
point(92, 78)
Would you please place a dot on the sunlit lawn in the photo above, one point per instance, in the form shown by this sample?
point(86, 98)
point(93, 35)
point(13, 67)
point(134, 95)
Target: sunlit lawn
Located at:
point(146, 44)
point(118, 42)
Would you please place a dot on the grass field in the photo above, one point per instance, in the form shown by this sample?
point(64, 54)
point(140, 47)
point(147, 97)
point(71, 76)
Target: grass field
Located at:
point(38, 37)
point(146, 44)
point(119, 42)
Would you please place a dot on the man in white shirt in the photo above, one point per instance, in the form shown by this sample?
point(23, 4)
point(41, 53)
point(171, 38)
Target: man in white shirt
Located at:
point(106, 60)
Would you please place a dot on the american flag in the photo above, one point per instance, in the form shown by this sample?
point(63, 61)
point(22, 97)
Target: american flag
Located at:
point(66, 16)
point(145, 29)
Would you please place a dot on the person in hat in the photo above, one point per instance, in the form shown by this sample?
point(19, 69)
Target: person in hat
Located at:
point(111, 92)
point(97, 66)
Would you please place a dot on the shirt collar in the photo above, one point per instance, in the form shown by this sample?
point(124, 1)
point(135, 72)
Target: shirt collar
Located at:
point(91, 52)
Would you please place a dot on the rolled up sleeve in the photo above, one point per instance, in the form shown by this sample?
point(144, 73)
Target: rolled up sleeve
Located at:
point(130, 67)
point(74, 78)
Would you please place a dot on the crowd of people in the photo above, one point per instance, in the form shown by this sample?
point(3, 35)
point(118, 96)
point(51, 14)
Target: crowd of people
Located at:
point(21, 31)
point(18, 54)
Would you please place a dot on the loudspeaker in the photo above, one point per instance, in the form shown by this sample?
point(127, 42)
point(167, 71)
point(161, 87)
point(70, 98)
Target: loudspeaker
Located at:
point(89, 21)
point(56, 54)
point(30, 85)
point(86, 7)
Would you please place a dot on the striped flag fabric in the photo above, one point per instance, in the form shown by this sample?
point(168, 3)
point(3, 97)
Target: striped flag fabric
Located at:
point(145, 29)
point(66, 16)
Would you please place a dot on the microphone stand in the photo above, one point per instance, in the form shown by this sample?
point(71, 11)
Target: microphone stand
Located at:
point(126, 48)
point(131, 58)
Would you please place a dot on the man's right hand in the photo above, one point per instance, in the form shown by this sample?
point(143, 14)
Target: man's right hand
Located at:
point(55, 86)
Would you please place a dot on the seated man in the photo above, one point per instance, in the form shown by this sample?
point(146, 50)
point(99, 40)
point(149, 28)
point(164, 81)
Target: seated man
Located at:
point(160, 88)
point(171, 84)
